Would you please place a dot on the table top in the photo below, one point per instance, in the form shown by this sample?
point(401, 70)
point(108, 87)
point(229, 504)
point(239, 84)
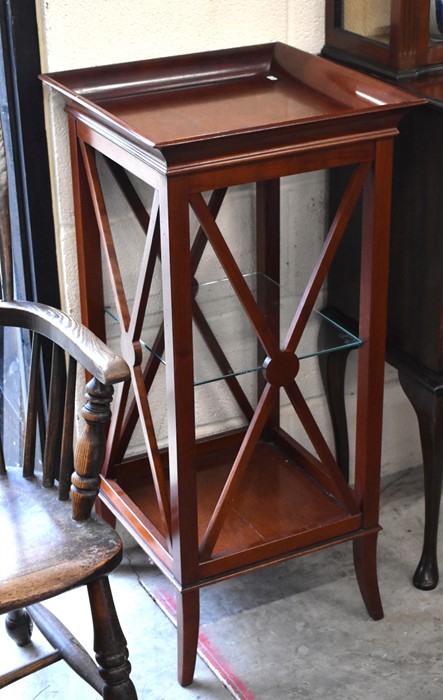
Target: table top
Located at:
point(229, 102)
point(429, 86)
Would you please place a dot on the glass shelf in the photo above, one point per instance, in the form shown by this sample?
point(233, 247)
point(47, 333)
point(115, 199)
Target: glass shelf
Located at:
point(220, 323)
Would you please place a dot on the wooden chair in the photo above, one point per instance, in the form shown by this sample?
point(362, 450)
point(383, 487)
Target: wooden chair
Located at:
point(50, 544)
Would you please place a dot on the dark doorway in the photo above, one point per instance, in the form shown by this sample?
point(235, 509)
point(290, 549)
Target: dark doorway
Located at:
point(34, 250)
point(21, 100)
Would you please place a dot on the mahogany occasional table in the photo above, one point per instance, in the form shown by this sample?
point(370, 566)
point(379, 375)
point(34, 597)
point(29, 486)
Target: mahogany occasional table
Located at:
point(244, 498)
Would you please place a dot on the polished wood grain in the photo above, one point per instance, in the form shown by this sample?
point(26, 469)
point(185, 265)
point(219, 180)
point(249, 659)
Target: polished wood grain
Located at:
point(310, 100)
point(191, 128)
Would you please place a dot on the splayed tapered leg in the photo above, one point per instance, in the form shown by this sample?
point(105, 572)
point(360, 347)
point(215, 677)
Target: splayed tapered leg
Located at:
point(365, 562)
point(188, 621)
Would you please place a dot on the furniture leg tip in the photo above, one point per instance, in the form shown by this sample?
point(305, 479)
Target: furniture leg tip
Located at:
point(426, 576)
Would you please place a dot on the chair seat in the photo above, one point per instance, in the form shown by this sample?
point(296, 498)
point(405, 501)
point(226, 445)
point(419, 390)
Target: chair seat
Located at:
point(43, 552)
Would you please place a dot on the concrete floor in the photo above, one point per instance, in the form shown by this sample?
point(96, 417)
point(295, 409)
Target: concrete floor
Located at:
point(297, 630)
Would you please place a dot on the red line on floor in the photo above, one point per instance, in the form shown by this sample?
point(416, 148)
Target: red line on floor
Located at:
point(208, 652)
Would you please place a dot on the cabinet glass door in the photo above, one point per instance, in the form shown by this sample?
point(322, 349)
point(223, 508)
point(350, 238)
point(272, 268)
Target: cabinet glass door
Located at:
point(436, 21)
point(396, 38)
point(370, 19)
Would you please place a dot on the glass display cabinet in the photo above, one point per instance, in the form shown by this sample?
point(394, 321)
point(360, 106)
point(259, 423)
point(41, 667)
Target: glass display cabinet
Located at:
point(204, 504)
point(397, 38)
point(401, 41)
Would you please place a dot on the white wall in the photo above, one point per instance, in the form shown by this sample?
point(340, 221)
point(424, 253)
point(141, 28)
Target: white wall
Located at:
point(88, 33)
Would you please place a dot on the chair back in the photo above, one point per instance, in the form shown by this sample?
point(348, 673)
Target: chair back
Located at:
point(51, 431)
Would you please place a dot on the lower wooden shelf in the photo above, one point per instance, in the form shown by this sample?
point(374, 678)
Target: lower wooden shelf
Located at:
point(279, 509)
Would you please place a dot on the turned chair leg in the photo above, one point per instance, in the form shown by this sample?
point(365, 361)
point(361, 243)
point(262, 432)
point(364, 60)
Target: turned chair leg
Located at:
point(110, 648)
point(19, 626)
point(188, 622)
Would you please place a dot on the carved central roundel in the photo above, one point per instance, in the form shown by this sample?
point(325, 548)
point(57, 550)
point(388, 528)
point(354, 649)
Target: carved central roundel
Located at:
point(282, 369)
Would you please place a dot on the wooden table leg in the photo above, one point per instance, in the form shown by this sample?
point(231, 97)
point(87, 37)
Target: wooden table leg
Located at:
point(428, 405)
point(333, 369)
point(177, 302)
point(188, 622)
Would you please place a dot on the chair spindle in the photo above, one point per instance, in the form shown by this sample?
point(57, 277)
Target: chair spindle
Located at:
point(32, 410)
point(67, 452)
point(55, 418)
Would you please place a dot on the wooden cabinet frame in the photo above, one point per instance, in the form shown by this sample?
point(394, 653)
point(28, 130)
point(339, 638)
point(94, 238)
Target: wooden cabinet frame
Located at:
point(408, 51)
point(183, 504)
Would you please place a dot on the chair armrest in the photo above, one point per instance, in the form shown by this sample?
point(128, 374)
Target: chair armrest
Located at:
point(70, 335)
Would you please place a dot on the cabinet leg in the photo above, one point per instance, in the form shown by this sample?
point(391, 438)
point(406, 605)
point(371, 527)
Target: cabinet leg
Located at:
point(428, 405)
point(332, 369)
point(365, 563)
point(188, 622)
